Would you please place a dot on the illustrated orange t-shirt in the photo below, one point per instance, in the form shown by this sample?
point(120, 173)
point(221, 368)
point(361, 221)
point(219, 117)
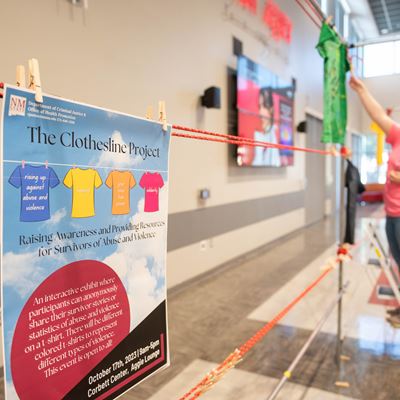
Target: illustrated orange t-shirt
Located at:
point(121, 182)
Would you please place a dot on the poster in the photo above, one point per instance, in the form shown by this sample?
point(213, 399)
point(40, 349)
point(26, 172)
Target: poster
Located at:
point(265, 108)
point(84, 233)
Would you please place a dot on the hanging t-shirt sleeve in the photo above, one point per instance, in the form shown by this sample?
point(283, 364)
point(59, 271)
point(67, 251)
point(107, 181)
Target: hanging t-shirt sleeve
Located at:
point(132, 181)
point(160, 181)
point(321, 42)
point(15, 178)
point(68, 181)
point(321, 49)
point(109, 180)
point(143, 180)
point(97, 180)
point(326, 34)
point(53, 178)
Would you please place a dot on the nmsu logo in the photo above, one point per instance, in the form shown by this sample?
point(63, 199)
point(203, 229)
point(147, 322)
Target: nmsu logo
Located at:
point(17, 105)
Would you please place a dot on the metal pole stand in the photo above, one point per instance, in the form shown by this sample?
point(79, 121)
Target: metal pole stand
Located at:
point(288, 373)
point(339, 340)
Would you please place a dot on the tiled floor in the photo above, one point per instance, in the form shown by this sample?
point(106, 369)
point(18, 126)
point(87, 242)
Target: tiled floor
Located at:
point(239, 385)
point(361, 320)
point(212, 317)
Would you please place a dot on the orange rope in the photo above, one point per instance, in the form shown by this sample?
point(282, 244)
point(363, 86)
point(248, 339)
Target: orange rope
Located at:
point(234, 358)
point(232, 139)
point(240, 140)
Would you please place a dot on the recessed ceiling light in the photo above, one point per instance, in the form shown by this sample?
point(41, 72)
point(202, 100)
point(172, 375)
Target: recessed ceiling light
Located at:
point(384, 31)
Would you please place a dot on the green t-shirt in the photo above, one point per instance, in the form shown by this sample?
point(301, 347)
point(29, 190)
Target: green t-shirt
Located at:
point(334, 53)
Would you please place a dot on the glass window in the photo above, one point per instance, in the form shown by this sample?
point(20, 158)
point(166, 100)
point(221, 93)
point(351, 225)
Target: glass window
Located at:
point(370, 171)
point(356, 53)
point(356, 147)
point(381, 59)
point(360, 56)
point(339, 17)
point(353, 37)
point(330, 7)
point(397, 56)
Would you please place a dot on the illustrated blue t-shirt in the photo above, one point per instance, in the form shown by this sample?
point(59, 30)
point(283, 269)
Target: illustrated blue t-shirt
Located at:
point(35, 183)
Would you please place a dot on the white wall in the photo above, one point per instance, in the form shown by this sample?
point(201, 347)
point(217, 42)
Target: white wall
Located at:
point(127, 54)
point(386, 90)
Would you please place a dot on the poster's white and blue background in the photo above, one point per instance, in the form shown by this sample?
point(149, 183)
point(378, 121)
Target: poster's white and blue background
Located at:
point(140, 266)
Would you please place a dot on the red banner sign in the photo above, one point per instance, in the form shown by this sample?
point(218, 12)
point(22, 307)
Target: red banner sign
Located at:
point(250, 5)
point(273, 17)
point(277, 21)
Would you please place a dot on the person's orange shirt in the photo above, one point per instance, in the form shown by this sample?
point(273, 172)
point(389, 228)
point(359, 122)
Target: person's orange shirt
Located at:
point(121, 182)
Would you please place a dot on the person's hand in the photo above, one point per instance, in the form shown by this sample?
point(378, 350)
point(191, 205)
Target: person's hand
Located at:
point(356, 84)
point(394, 176)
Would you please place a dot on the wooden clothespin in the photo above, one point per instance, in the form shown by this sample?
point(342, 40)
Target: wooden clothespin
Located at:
point(34, 79)
point(149, 112)
point(342, 384)
point(23, 163)
point(162, 115)
point(46, 163)
point(334, 151)
point(329, 20)
point(20, 76)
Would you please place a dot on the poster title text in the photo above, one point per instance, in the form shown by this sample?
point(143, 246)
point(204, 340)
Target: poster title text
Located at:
point(72, 140)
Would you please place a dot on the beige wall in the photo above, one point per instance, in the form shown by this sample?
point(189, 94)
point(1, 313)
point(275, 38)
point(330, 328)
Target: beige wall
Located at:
point(127, 54)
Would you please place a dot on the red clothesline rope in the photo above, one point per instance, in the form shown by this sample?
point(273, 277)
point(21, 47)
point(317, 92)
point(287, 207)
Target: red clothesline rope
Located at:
point(234, 358)
point(316, 9)
point(232, 139)
point(317, 24)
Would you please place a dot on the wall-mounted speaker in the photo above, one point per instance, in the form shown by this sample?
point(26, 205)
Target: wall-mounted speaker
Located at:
point(211, 97)
point(302, 127)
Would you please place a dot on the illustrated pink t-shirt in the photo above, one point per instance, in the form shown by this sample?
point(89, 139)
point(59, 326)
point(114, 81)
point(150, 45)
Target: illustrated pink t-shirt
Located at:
point(151, 183)
point(392, 190)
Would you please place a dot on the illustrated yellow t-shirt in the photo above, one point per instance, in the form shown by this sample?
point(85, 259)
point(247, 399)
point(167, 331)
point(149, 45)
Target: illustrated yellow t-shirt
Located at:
point(83, 183)
point(121, 182)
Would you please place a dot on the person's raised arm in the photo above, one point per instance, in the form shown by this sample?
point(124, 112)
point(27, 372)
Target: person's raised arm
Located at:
point(373, 108)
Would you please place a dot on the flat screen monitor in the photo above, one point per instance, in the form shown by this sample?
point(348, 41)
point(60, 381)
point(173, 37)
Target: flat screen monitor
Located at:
point(265, 105)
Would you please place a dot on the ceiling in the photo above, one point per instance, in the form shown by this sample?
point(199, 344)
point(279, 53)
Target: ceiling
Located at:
point(387, 15)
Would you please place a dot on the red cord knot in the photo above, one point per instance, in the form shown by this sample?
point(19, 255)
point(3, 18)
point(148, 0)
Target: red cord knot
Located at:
point(344, 151)
point(343, 253)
